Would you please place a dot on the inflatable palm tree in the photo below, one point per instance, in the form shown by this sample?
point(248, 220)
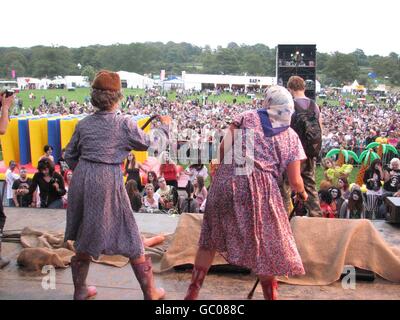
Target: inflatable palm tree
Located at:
point(366, 157)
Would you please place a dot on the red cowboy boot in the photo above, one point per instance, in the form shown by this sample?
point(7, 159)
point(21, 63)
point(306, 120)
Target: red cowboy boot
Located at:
point(144, 274)
point(198, 275)
point(270, 289)
point(80, 269)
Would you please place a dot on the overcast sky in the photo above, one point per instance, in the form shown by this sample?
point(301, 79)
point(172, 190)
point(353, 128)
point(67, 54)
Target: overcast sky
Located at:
point(339, 25)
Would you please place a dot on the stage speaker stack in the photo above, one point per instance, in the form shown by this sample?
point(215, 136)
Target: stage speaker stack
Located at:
point(297, 60)
point(393, 206)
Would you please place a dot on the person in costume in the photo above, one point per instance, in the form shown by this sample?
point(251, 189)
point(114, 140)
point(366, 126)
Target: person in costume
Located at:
point(99, 215)
point(245, 218)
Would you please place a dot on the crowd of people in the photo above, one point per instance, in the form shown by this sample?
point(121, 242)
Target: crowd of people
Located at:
point(49, 186)
point(351, 124)
point(99, 206)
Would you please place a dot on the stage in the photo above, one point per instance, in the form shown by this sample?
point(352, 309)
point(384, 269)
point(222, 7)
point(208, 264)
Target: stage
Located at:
point(120, 283)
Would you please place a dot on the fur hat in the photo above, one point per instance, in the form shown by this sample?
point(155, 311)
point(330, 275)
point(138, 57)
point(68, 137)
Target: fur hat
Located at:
point(107, 80)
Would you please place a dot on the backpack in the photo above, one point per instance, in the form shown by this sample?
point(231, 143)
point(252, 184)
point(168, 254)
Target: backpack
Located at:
point(306, 124)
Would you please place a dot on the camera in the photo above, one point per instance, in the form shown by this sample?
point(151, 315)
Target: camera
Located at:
point(52, 181)
point(8, 94)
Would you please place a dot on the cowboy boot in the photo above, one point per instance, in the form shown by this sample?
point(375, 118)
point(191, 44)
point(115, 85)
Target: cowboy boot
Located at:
point(198, 275)
point(270, 289)
point(3, 261)
point(144, 274)
point(80, 269)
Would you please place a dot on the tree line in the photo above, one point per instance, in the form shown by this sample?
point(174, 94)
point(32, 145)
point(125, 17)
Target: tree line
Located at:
point(149, 58)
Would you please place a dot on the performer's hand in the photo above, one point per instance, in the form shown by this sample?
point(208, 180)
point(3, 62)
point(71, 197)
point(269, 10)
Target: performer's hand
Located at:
point(303, 195)
point(7, 102)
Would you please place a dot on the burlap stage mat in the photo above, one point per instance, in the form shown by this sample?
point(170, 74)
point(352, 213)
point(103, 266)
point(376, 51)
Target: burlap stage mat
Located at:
point(325, 246)
point(48, 248)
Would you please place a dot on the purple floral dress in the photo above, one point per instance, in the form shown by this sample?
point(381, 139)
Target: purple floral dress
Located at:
point(245, 219)
point(99, 215)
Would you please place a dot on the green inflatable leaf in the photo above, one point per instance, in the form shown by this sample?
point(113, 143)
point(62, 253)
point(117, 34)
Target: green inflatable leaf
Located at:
point(332, 153)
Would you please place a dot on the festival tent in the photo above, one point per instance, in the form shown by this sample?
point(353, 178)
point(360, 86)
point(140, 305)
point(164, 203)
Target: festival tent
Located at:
point(134, 80)
point(381, 88)
point(173, 84)
point(198, 81)
point(28, 83)
point(77, 81)
point(354, 88)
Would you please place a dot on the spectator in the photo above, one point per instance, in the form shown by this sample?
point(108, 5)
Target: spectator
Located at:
point(151, 200)
point(343, 186)
point(67, 181)
point(303, 105)
point(391, 186)
point(353, 208)
point(134, 195)
point(328, 206)
point(48, 151)
point(373, 176)
point(168, 195)
point(169, 171)
point(337, 199)
point(200, 191)
point(21, 195)
point(132, 169)
point(51, 186)
point(62, 163)
point(392, 176)
point(189, 205)
point(196, 170)
point(11, 177)
point(372, 179)
point(152, 179)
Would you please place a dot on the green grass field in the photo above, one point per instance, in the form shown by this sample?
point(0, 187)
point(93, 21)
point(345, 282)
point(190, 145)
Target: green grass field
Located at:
point(80, 94)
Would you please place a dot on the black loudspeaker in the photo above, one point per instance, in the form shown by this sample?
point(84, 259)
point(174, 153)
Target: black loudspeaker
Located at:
point(297, 60)
point(393, 212)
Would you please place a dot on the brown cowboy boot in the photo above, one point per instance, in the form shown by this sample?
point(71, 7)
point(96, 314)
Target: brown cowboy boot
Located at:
point(198, 275)
point(80, 269)
point(144, 274)
point(3, 261)
point(270, 289)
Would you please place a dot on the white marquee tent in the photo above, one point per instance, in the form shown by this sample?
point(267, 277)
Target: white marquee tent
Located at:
point(134, 80)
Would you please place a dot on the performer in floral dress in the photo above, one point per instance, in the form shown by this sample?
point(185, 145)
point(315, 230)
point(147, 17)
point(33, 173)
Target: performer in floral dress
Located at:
point(245, 218)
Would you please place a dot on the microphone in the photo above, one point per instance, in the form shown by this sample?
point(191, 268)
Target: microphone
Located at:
point(149, 121)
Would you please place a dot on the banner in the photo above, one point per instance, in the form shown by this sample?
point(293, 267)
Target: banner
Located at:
point(13, 73)
point(162, 75)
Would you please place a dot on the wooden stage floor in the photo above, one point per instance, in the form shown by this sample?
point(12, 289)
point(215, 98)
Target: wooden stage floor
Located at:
point(120, 283)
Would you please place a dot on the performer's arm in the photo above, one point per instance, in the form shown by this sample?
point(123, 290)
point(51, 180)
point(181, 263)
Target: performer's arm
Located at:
point(15, 198)
point(227, 142)
point(295, 179)
point(72, 152)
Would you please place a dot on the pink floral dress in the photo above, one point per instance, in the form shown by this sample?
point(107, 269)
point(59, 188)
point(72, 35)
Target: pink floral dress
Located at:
point(245, 219)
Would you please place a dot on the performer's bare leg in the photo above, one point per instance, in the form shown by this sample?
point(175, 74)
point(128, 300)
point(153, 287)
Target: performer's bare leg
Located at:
point(143, 270)
point(203, 261)
point(80, 269)
point(269, 286)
